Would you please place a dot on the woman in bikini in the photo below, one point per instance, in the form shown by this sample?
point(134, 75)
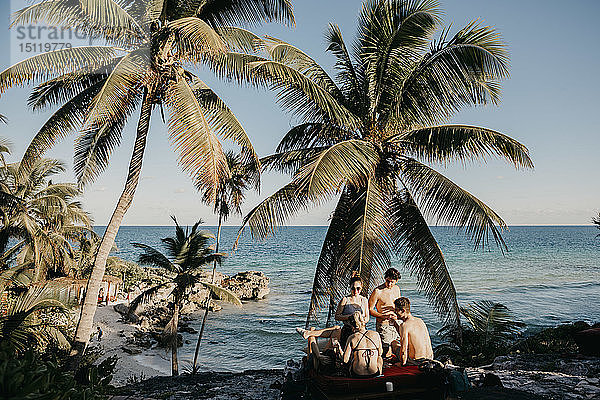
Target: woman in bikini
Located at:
point(363, 350)
point(349, 305)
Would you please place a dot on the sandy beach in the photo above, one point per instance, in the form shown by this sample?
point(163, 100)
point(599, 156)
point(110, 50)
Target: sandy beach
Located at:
point(152, 362)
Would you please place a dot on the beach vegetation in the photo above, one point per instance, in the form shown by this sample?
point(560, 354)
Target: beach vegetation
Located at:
point(31, 319)
point(146, 63)
point(230, 197)
point(41, 220)
point(188, 252)
point(596, 221)
point(491, 330)
point(371, 137)
point(32, 376)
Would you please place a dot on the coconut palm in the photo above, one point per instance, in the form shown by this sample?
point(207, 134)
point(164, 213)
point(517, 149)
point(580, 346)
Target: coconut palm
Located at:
point(229, 201)
point(187, 253)
point(21, 325)
point(43, 217)
point(149, 44)
point(368, 135)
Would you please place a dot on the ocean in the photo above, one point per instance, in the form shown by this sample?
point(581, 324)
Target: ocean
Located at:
point(550, 275)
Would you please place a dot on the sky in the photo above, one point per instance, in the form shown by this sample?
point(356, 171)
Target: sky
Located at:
point(550, 103)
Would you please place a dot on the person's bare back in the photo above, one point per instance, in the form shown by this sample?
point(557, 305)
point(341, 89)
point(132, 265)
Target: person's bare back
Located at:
point(414, 343)
point(415, 333)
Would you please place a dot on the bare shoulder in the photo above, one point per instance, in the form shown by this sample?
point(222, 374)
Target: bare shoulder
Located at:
point(374, 336)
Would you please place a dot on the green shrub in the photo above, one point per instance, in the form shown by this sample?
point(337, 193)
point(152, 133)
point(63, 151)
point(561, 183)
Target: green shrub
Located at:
point(30, 377)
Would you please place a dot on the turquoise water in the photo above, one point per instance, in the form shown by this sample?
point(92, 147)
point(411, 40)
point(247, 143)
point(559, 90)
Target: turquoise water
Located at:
point(549, 275)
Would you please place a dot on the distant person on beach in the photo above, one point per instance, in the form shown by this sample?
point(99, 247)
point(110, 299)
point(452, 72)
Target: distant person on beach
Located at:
point(325, 358)
point(363, 352)
point(99, 333)
point(381, 306)
point(414, 345)
point(348, 306)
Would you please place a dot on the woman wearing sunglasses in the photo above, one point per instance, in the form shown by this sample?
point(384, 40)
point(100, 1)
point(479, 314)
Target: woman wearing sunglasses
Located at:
point(355, 302)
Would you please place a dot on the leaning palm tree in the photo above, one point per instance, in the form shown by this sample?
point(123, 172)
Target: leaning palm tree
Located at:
point(149, 46)
point(368, 136)
point(187, 253)
point(229, 201)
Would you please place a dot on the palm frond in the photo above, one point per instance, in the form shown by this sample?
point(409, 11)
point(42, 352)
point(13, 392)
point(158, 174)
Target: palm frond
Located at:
point(443, 199)
point(287, 54)
point(195, 39)
point(348, 162)
point(45, 65)
point(200, 152)
point(222, 293)
point(446, 143)
point(222, 120)
point(145, 297)
point(290, 161)
point(63, 122)
point(240, 40)
point(493, 320)
point(153, 257)
point(302, 96)
point(274, 211)
point(312, 134)
point(94, 146)
point(456, 73)
point(330, 282)
point(422, 256)
point(246, 12)
point(391, 34)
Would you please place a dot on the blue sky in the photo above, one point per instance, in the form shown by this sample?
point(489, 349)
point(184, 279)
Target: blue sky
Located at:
point(550, 103)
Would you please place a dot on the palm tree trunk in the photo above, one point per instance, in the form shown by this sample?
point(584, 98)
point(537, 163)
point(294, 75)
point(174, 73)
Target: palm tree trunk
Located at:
point(174, 360)
point(194, 367)
point(88, 309)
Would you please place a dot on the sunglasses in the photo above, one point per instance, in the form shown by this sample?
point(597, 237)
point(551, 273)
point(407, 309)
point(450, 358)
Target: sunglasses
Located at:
point(356, 288)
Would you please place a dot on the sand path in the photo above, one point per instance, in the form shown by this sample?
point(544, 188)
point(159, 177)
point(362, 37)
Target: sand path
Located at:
point(152, 362)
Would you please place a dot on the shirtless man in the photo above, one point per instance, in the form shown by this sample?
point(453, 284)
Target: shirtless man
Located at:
point(415, 344)
point(381, 306)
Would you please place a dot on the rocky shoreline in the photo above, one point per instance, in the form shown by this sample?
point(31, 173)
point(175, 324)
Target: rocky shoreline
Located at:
point(526, 377)
point(151, 318)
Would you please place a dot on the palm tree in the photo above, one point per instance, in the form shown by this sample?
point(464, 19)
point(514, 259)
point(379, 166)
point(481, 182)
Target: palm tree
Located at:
point(490, 329)
point(229, 200)
point(187, 253)
point(21, 326)
point(596, 221)
point(42, 215)
point(368, 135)
point(99, 87)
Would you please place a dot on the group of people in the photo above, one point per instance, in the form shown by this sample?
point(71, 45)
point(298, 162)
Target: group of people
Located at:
point(399, 337)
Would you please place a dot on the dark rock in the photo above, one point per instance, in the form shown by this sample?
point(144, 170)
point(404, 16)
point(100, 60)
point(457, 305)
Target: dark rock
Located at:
point(188, 329)
point(588, 341)
point(131, 350)
point(249, 385)
point(491, 380)
point(121, 309)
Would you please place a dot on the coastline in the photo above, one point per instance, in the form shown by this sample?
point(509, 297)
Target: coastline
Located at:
point(130, 367)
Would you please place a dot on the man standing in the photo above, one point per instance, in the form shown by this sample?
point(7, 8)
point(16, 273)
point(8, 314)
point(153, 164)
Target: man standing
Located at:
point(381, 306)
point(415, 344)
